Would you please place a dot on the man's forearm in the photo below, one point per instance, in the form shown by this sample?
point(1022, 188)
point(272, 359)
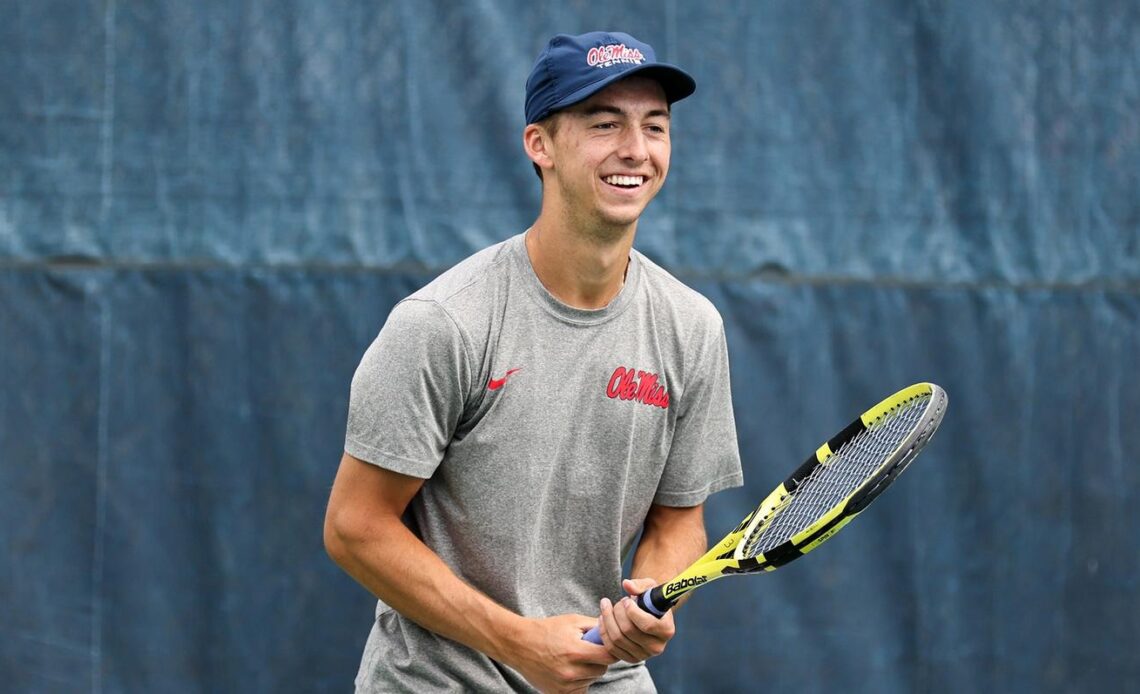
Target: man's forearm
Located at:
point(403, 572)
point(672, 540)
point(398, 568)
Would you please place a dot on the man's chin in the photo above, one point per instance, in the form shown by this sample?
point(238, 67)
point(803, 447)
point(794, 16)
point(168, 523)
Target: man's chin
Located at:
point(624, 216)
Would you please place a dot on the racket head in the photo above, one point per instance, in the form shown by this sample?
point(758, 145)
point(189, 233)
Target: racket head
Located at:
point(841, 478)
point(738, 552)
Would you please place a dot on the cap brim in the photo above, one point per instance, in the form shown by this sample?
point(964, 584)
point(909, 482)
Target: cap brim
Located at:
point(676, 82)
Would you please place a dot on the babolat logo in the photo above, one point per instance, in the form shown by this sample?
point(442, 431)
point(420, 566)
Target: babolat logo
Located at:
point(691, 582)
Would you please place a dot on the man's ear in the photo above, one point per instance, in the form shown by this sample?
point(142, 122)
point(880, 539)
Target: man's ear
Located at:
point(536, 142)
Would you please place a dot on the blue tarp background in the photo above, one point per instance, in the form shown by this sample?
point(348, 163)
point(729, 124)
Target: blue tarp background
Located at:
point(207, 209)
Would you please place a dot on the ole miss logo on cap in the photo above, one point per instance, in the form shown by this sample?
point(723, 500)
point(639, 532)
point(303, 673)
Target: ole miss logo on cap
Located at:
point(605, 56)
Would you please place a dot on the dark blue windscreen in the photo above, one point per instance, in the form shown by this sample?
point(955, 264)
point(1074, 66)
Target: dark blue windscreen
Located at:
point(207, 209)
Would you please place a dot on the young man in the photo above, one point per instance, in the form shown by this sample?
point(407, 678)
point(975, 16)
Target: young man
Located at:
point(519, 420)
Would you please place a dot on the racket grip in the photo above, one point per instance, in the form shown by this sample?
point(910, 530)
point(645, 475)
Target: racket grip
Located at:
point(644, 601)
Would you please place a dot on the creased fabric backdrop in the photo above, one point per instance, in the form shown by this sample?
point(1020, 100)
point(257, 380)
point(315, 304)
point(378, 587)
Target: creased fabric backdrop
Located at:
point(208, 208)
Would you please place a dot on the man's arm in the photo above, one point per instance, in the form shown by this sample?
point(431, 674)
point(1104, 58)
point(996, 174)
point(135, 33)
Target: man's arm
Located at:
point(365, 535)
point(672, 538)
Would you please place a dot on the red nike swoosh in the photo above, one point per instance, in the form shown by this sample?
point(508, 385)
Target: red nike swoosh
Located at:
point(497, 383)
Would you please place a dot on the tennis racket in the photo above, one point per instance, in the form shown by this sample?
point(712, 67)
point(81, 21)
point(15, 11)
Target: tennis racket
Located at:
point(824, 494)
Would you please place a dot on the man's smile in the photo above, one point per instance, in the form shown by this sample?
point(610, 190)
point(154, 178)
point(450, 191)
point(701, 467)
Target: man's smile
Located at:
point(624, 181)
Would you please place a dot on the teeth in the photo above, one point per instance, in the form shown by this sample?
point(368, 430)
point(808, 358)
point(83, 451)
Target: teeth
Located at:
point(624, 180)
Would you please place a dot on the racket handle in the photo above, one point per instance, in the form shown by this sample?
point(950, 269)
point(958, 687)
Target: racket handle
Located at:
point(644, 601)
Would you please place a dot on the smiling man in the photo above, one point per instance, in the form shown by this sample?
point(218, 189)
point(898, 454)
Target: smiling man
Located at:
point(520, 420)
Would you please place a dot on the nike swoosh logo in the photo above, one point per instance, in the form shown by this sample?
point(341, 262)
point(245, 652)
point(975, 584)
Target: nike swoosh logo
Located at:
point(497, 383)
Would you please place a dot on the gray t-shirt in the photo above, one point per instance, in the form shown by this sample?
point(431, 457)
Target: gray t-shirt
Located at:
point(544, 433)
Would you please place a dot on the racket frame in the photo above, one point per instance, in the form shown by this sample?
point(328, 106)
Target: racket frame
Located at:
point(726, 558)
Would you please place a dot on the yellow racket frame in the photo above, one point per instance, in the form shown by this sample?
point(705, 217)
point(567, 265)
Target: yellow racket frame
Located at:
point(725, 557)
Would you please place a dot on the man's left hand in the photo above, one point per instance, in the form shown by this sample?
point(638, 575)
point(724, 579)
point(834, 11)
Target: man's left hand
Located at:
point(630, 633)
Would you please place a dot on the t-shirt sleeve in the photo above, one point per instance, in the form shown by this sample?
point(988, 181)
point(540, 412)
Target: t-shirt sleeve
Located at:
point(704, 457)
point(408, 392)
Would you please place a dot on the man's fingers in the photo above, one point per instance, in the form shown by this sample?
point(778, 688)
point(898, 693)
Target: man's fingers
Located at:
point(598, 655)
point(638, 626)
point(658, 627)
point(622, 637)
point(612, 637)
point(637, 586)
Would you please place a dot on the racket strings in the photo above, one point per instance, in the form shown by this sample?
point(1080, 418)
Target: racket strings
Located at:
point(837, 478)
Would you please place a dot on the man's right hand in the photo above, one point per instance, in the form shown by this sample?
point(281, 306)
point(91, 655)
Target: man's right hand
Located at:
point(552, 656)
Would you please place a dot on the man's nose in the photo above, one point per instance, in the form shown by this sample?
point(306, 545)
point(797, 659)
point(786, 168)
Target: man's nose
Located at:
point(634, 146)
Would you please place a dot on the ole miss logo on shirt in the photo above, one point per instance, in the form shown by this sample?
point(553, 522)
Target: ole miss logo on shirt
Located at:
point(640, 386)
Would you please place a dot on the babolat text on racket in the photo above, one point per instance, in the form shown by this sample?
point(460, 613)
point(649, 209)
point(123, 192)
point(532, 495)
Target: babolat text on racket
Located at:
point(829, 489)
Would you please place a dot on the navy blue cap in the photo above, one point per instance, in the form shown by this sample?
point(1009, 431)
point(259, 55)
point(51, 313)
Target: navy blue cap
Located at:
point(573, 68)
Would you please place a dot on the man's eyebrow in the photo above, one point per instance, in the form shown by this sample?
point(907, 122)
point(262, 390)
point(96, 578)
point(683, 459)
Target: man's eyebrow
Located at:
point(615, 111)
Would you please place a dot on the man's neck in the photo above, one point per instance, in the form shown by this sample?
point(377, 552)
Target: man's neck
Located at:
point(580, 268)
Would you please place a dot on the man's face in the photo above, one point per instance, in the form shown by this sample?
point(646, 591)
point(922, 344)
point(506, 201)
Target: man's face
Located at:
point(611, 154)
